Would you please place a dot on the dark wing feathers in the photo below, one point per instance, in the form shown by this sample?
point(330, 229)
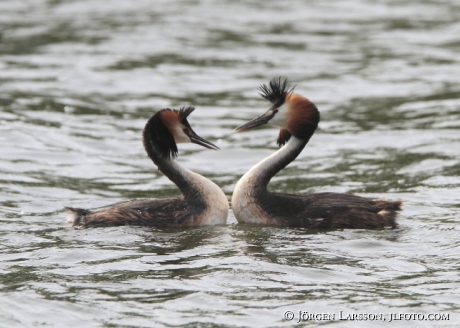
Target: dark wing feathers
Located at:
point(167, 212)
point(332, 211)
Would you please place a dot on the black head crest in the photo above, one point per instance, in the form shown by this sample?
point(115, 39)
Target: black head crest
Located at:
point(276, 91)
point(184, 112)
point(157, 135)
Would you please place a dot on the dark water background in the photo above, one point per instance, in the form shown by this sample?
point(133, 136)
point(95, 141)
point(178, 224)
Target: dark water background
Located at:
point(79, 79)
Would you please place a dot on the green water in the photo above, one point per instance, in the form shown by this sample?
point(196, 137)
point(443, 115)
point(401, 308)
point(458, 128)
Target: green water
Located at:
point(79, 79)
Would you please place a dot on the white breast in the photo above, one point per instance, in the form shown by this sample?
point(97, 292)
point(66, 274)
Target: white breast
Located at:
point(217, 211)
point(244, 204)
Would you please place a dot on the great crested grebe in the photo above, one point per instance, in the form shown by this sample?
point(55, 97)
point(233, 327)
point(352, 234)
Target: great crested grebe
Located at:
point(298, 119)
point(202, 202)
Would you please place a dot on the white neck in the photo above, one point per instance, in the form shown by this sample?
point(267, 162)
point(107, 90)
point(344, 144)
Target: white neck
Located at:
point(193, 186)
point(254, 183)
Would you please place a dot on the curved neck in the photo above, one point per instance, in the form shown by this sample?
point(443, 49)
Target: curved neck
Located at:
point(183, 178)
point(263, 171)
point(161, 148)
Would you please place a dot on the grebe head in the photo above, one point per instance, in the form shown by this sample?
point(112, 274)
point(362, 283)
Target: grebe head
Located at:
point(294, 114)
point(167, 128)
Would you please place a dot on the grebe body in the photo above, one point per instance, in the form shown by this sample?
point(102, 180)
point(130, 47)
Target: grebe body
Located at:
point(298, 119)
point(201, 202)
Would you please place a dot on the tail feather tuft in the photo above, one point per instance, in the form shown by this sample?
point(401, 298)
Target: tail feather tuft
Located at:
point(389, 210)
point(76, 216)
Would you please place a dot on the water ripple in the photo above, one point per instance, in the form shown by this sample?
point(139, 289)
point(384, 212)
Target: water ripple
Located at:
point(78, 80)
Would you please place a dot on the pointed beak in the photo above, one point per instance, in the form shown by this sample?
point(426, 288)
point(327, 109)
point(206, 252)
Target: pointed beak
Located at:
point(202, 142)
point(258, 121)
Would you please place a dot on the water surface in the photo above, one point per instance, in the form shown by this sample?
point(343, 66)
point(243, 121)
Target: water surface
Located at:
point(79, 79)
